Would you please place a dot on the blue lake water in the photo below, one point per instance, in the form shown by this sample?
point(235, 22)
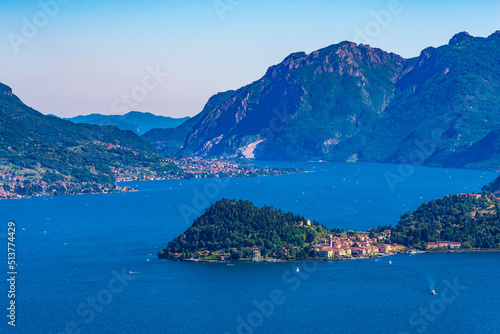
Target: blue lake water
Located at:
point(87, 264)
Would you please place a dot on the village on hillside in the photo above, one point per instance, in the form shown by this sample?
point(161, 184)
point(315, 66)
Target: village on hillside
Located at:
point(328, 248)
point(232, 230)
point(360, 246)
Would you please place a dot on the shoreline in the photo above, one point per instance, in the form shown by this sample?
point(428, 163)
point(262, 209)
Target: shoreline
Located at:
point(279, 260)
point(465, 251)
point(334, 260)
point(77, 194)
point(114, 191)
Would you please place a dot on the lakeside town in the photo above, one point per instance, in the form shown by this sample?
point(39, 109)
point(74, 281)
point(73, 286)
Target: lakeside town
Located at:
point(358, 246)
point(23, 183)
point(199, 168)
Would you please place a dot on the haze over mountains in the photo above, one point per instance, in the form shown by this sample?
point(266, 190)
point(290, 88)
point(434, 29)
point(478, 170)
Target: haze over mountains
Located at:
point(350, 102)
point(138, 122)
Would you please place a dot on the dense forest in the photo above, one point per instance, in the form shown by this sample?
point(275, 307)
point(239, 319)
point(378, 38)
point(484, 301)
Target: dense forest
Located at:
point(469, 219)
point(241, 225)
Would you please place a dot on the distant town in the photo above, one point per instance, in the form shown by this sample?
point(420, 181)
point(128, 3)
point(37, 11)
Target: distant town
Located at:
point(21, 183)
point(195, 167)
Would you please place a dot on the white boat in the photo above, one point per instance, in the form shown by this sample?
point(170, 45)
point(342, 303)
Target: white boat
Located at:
point(433, 292)
point(297, 269)
point(390, 262)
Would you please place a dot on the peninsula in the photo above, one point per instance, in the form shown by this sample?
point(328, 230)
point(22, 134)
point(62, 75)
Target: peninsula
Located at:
point(232, 230)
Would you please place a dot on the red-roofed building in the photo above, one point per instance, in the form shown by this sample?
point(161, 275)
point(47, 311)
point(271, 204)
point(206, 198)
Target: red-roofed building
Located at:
point(431, 245)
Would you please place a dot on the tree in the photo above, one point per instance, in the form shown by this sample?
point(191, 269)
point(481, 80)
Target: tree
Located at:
point(310, 237)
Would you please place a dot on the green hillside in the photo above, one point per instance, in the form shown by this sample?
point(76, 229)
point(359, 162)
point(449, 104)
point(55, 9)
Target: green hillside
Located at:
point(469, 219)
point(240, 225)
point(47, 155)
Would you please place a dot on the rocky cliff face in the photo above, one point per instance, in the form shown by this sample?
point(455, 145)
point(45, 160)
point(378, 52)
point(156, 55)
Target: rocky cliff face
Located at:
point(170, 141)
point(338, 89)
point(348, 102)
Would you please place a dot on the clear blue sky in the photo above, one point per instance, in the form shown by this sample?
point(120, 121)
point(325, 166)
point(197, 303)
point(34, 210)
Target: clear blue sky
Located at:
point(84, 55)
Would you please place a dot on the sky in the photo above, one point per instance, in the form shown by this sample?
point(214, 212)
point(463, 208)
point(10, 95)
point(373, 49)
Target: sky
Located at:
point(69, 57)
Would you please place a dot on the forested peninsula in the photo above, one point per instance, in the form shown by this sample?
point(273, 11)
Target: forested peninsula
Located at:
point(231, 230)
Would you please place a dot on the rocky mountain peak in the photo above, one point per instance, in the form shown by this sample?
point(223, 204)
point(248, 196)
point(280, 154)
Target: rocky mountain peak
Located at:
point(460, 38)
point(346, 99)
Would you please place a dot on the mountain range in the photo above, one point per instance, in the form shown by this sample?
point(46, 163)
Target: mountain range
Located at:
point(138, 122)
point(346, 102)
point(350, 102)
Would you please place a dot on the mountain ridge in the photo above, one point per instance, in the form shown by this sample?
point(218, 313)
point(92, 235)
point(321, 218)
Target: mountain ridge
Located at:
point(136, 121)
point(349, 102)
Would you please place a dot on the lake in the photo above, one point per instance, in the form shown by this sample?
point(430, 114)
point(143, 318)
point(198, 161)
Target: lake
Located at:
point(87, 264)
